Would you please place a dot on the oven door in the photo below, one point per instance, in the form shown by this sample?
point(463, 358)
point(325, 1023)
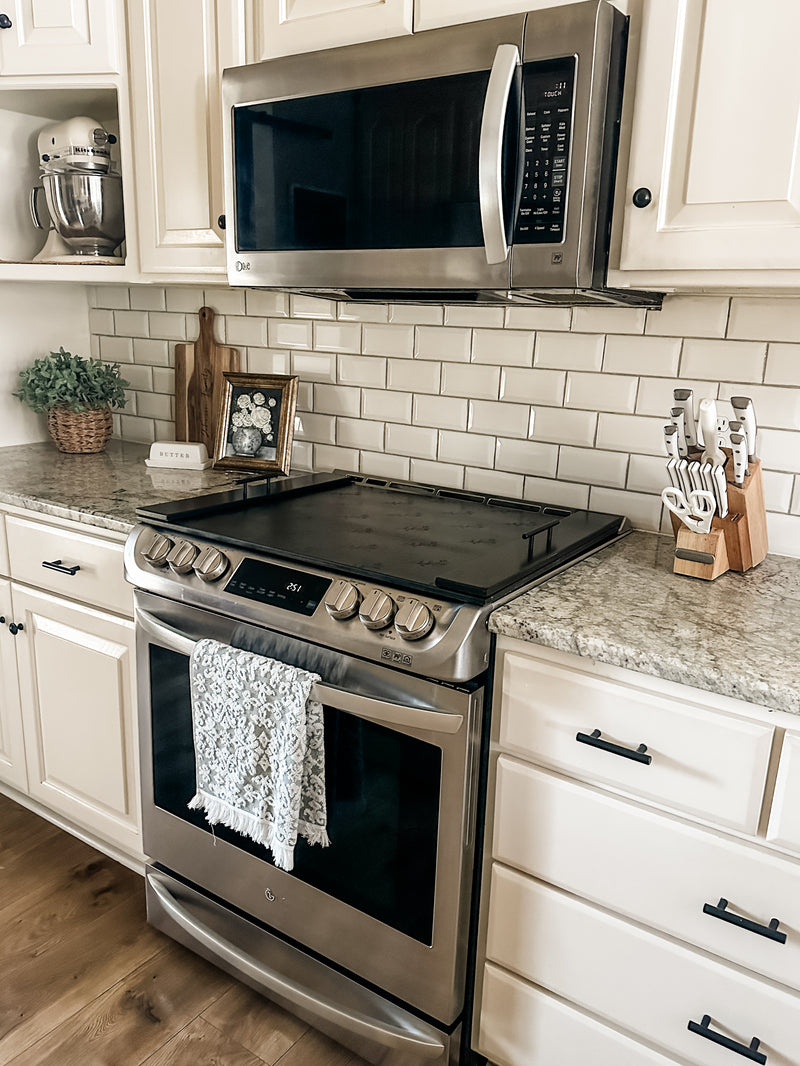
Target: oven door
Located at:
point(388, 900)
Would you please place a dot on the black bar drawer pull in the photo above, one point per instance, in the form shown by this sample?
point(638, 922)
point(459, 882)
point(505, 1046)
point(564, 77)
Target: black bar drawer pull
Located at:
point(750, 1051)
point(770, 931)
point(594, 738)
point(56, 564)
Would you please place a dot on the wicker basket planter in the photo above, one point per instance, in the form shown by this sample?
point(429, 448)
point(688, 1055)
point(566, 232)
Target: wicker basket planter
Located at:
point(86, 431)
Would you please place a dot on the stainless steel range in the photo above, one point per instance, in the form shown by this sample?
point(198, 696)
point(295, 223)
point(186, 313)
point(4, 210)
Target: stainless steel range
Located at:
point(384, 590)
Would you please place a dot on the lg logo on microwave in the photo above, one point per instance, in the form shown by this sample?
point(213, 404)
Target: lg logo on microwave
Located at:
point(242, 265)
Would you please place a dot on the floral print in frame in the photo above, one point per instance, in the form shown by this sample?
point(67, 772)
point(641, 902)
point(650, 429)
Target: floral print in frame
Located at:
point(255, 422)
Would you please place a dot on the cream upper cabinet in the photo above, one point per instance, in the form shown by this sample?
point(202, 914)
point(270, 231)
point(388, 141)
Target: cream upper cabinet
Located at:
point(177, 54)
point(715, 114)
point(287, 27)
point(61, 36)
point(431, 13)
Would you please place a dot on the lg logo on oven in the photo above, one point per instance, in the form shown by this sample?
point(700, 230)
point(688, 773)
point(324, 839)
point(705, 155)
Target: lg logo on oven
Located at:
point(241, 264)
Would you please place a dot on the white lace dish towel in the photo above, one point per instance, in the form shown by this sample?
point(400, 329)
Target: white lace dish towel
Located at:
point(259, 748)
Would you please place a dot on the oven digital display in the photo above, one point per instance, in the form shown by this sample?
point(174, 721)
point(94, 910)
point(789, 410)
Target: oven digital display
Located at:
point(292, 590)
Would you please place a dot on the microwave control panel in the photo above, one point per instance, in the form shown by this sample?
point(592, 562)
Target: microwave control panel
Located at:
point(548, 89)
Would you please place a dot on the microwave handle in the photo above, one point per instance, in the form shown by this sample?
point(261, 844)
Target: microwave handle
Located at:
point(490, 158)
point(384, 711)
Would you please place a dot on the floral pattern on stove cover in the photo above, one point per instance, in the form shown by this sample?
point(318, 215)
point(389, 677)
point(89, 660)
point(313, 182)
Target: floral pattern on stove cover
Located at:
point(259, 748)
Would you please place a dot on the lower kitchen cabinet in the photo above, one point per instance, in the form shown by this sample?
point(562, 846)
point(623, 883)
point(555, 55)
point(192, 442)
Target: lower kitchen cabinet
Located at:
point(636, 909)
point(67, 677)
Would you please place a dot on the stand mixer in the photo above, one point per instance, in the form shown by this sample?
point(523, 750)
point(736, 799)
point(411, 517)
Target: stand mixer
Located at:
point(83, 194)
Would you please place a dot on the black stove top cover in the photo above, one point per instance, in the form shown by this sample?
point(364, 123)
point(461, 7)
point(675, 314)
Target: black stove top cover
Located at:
point(463, 546)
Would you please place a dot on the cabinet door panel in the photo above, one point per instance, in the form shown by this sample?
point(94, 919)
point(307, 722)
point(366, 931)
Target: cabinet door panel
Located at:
point(178, 52)
point(61, 37)
point(292, 26)
point(12, 746)
point(76, 668)
point(634, 979)
point(714, 138)
point(431, 13)
point(784, 822)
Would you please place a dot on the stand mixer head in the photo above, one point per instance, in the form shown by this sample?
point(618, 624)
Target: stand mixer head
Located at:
point(83, 194)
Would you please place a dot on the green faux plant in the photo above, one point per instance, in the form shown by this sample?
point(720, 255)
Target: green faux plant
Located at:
point(64, 379)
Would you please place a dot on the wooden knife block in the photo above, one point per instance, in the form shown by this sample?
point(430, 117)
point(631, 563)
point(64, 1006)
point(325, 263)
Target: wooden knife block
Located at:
point(736, 542)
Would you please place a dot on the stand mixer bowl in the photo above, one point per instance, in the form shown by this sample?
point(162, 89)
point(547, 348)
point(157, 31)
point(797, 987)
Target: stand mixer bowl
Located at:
point(86, 209)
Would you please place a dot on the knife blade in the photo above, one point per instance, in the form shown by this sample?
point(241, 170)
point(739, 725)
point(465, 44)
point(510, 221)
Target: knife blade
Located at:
point(672, 440)
point(745, 413)
point(708, 426)
point(739, 448)
point(683, 398)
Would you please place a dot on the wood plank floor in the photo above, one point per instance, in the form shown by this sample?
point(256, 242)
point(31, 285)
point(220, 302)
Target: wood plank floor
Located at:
point(85, 981)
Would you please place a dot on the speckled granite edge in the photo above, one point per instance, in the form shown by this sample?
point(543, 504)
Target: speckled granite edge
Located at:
point(736, 636)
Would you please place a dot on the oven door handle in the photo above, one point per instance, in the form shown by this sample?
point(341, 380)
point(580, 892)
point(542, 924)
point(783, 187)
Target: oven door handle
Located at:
point(421, 1044)
point(376, 710)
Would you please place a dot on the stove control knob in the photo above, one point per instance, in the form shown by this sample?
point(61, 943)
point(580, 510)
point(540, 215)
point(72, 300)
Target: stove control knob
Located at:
point(181, 559)
point(414, 620)
point(157, 551)
point(342, 600)
point(377, 609)
point(211, 564)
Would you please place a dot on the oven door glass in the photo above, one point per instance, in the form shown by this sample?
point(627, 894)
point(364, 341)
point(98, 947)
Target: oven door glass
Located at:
point(383, 791)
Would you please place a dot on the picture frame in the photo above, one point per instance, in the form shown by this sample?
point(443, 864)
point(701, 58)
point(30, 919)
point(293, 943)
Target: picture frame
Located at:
point(255, 422)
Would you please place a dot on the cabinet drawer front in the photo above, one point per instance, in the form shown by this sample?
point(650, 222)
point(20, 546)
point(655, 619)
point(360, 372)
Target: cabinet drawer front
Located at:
point(650, 867)
point(521, 1025)
point(100, 579)
point(702, 762)
point(635, 979)
point(784, 822)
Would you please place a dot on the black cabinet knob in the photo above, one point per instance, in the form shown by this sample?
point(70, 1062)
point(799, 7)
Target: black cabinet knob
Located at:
point(16, 627)
point(221, 222)
point(642, 197)
point(5, 22)
point(2, 619)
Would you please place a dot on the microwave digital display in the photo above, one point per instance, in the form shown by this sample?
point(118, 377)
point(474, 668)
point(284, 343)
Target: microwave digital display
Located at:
point(548, 91)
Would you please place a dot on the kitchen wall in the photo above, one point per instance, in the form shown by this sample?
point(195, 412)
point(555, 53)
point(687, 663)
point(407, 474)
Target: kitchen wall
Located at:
point(36, 318)
point(554, 404)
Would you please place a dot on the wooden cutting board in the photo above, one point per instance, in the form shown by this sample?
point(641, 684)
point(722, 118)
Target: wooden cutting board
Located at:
point(199, 384)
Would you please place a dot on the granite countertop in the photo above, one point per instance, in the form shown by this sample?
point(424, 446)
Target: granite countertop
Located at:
point(737, 636)
point(101, 490)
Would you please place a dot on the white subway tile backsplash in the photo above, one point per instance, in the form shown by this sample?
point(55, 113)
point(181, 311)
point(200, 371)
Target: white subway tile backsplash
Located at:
point(502, 347)
point(594, 467)
point(482, 382)
point(526, 457)
point(630, 433)
point(560, 426)
point(723, 360)
point(608, 320)
point(645, 356)
point(388, 340)
point(443, 474)
point(764, 319)
point(598, 382)
point(533, 386)
point(601, 392)
point(337, 400)
point(689, 316)
point(417, 441)
point(386, 406)
point(783, 364)
point(510, 419)
point(443, 412)
point(289, 333)
point(443, 342)
point(368, 370)
point(495, 482)
point(569, 351)
point(472, 449)
point(359, 433)
point(416, 375)
point(337, 337)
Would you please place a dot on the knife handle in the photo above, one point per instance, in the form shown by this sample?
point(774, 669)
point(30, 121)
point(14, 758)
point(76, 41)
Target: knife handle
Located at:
point(743, 406)
point(678, 417)
point(672, 440)
point(739, 448)
point(683, 398)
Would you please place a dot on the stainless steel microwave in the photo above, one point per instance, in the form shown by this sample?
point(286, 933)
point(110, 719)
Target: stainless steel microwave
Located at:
point(474, 162)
